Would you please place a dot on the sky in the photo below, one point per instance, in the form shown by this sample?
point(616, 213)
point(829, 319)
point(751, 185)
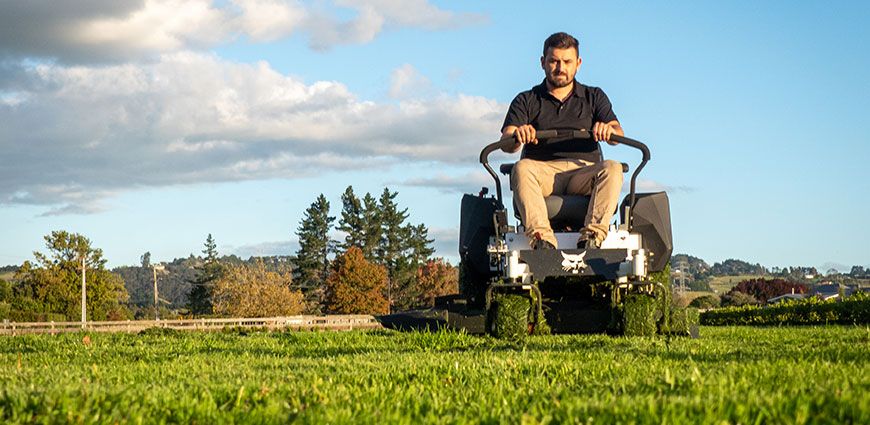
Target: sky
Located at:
point(146, 125)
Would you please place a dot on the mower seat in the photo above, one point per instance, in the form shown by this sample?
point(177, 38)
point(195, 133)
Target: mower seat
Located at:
point(566, 212)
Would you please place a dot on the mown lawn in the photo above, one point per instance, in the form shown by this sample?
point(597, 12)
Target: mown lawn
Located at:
point(730, 375)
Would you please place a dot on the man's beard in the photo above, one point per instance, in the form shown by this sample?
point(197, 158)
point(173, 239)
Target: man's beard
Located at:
point(556, 82)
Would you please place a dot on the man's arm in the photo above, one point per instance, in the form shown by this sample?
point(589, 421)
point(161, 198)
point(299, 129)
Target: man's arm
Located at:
point(602, 131)
point(522, 135)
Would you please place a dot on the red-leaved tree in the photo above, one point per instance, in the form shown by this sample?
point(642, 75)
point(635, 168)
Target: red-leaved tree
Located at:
point(764, 289)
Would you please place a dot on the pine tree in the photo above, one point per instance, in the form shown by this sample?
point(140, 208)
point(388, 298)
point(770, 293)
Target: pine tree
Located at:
point(371, 225)
point(389, 249)
point(312, 258)
point(199, 300)
point(351, 221)
point(402, 250)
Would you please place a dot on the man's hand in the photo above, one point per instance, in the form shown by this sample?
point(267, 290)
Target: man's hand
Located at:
point(522, 135)
point(525, 134)
point(602, 131)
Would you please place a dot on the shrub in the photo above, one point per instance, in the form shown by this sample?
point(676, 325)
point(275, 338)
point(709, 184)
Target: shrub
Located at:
point(737, 299)
point(705, 302)
point(5, 310)
point(811, 311)
point(683, 319)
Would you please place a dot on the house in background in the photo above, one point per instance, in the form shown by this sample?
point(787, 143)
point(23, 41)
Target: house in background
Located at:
point(830, 291)
point(787, 297)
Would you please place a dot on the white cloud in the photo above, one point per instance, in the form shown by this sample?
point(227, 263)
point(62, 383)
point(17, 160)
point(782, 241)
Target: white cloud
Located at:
point(160, 25)
point(265, 249)
point(415, 13)
point(406, 81)
point(89, 31)
point(644, 185)
point(446, 242)
point(266, 20)
point(467, 183)
point(93, 131)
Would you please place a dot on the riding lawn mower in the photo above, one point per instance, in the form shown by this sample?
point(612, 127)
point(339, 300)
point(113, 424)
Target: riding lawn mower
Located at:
point(509, 289)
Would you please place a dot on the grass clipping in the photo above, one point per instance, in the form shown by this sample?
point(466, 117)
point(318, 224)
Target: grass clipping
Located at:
point(511, 316)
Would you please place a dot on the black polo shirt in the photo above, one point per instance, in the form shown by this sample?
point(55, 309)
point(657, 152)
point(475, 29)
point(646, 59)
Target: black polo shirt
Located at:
point(579, 111)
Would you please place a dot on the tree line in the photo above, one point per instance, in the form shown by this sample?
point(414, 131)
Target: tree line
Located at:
point(370, 261)
point(698, 273)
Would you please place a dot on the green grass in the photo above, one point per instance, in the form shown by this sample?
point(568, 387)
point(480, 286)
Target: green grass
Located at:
point(723, 284)
point(731, 375)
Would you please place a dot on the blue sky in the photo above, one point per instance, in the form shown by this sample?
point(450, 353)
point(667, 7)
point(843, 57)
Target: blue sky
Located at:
point(146, 125)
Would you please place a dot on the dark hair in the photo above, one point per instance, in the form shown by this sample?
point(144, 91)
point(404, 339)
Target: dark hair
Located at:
point(561, 40)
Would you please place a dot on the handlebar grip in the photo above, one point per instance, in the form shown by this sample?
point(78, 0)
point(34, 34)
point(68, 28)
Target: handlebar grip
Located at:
point(551, 134)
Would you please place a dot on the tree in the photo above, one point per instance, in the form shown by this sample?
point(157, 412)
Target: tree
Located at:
point(250, 290)
point(402, 250)
point(371, 225)
point(351, 221)
point(52, 285)
point(434, 279)
point(356, 286)
point(732, 267)
point(765, 289)
point(312, 258)
point(200, 296)
point(146, 259)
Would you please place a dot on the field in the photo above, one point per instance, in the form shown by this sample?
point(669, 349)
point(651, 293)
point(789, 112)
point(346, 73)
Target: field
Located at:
point(730, 375)
point(723, 284)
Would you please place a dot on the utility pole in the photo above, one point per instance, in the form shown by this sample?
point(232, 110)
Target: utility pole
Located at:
point(154, 268)
point(156, 311)
point(84, 294)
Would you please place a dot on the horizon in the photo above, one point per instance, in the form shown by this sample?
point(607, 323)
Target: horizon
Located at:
point(146, 126)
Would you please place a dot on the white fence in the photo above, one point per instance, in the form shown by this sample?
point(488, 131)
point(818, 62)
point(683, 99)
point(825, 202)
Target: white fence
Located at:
point(337, 322)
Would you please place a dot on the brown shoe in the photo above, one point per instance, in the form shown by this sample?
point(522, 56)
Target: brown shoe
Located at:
point(588, 241)
point(542, 244)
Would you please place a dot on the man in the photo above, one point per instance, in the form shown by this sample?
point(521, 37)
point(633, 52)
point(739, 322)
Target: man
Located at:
point(568, 165)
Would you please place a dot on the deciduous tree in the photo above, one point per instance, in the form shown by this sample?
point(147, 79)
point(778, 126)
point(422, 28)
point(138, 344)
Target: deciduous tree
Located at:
point(764, 289)
point(434, 279)
point(250, 290)
point(355, 286)
point(53, 283)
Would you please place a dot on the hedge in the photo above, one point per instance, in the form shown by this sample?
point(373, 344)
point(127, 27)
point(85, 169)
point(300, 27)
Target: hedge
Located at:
point(854, 310)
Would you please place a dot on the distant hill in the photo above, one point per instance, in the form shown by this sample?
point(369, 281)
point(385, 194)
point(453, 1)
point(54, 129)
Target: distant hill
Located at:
point(173, 284)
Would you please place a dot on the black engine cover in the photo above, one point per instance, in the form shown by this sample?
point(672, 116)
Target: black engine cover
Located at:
point(476, 226)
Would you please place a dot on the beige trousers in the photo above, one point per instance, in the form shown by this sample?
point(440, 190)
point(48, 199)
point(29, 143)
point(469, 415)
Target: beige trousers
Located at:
point(533, 180)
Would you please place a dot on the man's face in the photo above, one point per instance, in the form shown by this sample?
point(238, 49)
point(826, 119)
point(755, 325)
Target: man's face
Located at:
point(560, 66)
